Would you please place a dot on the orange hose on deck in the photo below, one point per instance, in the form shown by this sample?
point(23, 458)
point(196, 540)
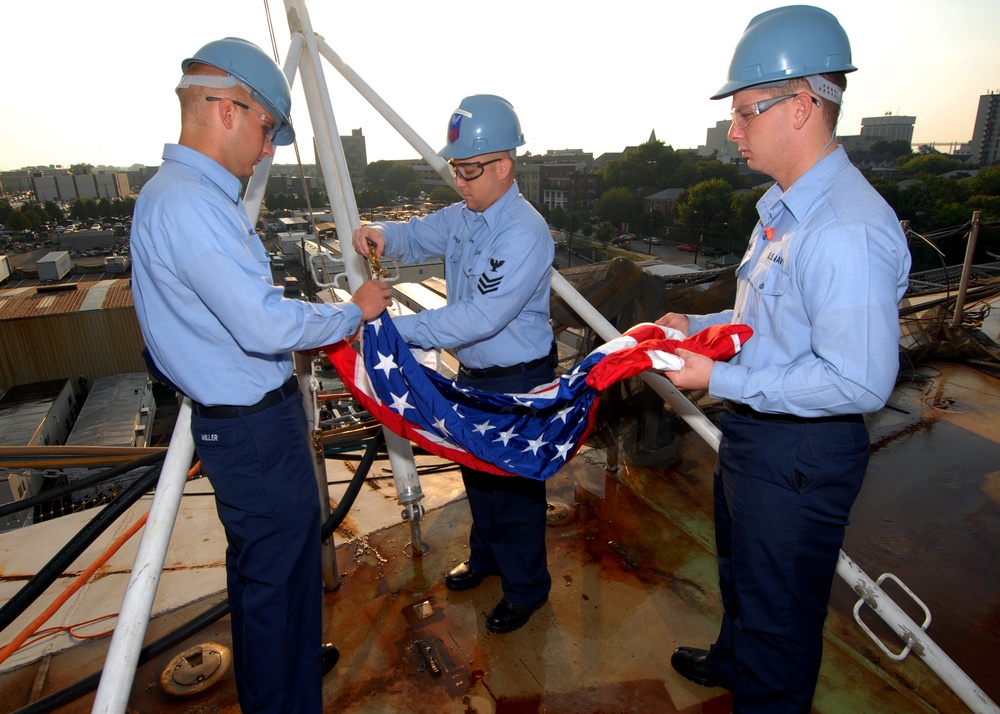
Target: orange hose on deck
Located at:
point(12, 646)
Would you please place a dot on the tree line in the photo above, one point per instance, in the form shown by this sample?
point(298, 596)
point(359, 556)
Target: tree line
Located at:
point(934, 192)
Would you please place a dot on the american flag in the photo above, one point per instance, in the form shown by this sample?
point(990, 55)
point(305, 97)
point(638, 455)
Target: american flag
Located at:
point(530, 435)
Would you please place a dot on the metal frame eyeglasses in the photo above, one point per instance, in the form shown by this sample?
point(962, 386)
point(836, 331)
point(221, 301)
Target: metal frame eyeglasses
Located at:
point(270, 128)
point(471, 170)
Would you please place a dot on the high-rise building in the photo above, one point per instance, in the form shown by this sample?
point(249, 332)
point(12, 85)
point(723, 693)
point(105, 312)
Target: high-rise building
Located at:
point(985, 144)
point(356, 153)
point(888, 127)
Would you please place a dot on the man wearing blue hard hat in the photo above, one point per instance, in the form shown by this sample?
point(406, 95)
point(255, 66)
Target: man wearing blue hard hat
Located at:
point(498, 256)
point(820, 284)
point(219, 330)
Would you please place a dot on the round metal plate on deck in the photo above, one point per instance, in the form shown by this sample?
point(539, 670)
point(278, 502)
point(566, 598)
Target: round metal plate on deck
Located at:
point(196, 669)
point(946, 404)
point(558, 513)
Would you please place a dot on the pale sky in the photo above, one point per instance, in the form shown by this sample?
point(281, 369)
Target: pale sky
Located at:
point(92, 82)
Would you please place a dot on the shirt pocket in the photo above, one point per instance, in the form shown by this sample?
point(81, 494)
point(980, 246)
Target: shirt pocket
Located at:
point(769, 283)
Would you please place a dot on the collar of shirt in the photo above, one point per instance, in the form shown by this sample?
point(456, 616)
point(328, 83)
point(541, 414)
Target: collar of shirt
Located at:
point(804, 193)
point(212, 170)
point(494, 213)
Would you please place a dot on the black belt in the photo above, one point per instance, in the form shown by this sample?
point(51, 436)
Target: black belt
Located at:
point(227, 411)
point(744, 411)
point(496, 372)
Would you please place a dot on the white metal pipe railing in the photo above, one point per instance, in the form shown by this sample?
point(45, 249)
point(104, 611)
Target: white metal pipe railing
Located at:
point(915, 637)
point(133, 617)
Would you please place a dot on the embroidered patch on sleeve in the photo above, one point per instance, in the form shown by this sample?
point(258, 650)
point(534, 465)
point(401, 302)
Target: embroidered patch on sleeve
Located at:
point(487, 284)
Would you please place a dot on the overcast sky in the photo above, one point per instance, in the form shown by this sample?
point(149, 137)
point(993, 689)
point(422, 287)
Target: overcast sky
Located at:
point(92, 82)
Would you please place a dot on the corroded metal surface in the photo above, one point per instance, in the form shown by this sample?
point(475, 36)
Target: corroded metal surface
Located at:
point(634, 576)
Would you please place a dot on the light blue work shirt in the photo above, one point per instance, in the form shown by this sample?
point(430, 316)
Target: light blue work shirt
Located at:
point(497, 268)
point(822, 296)
point(213, 320)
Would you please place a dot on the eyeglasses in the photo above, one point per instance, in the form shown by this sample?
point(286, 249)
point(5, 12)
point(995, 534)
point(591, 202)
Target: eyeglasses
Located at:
point(471, 170)
point(270, 128)
point(742, 116)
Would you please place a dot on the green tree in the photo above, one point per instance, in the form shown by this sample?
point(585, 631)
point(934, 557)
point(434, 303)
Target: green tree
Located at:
point(930, 164)
point(398, 176)
point(925, 198)
point(743, 212)
point(445, 195)
point(412, 189)
point(986, 182)
point(19, 221)
point(557, 218)
point(708, 170)
point(605, 232)
point(573, 222)
point(706, 204)
point(616, 206)
point(375, 173)
point(55, 213)
point(83, 209)
point(650, 164)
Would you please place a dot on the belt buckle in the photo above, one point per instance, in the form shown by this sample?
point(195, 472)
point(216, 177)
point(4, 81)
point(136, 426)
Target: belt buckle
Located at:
point(729, 406)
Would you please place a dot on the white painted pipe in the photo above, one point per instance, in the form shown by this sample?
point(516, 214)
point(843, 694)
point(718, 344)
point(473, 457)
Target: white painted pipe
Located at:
point(911, 633)
point(133, 616)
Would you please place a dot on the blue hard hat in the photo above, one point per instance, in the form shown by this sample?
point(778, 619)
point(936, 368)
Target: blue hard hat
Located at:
point(482, 124)
point(253, 68)
point(785, 43)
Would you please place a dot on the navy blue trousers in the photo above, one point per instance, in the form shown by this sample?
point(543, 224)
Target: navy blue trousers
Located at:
point(265, 490)
point(508, 512)
point(783, 495)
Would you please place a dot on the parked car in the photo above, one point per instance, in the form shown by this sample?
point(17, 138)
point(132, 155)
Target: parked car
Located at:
point(687, 248)
point(713, 252)
point(621, 240)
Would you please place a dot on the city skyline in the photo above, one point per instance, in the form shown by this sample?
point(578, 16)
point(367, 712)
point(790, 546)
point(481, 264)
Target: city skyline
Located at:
point(579, 78)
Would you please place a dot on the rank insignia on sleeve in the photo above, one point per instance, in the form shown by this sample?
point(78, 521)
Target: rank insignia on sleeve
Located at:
point(487, 284)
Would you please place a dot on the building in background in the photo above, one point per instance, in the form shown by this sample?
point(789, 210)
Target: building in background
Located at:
point(356, 154)
point(888, 127)
point(560, 178)
point(985, 144)
point(65, 186)
point(717, 142)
